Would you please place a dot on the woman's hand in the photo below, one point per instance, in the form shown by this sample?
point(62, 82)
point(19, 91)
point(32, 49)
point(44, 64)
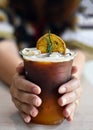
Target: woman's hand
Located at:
point(71, 92)
point(25, 95)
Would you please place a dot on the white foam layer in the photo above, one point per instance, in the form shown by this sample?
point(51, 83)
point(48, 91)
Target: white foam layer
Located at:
point(33, 54)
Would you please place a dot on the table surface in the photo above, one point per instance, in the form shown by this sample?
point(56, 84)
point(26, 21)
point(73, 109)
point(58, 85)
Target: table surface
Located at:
point(10, 118)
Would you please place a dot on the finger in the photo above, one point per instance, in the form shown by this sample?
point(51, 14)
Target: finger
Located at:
point(22, 84)
point(70, 118)
point(22, 107)
point(26, 118)
point(34, 112)
point(73, 84)
point(25, 108)
point(28, 98)
point(69, 97)
point(70, 108)
point(71, 115)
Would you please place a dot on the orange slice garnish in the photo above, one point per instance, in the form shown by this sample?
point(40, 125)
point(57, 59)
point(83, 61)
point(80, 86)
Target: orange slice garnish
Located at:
point(51, 43)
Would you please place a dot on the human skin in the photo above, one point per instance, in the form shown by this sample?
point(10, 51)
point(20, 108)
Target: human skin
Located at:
point(25, 93)
point(22, 92)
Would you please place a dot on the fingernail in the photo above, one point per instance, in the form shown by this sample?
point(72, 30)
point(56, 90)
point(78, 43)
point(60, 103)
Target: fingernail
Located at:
point(27, 119)
point(68, 112)
point(64, 101)
point(33, 113)
point(36, 102)
point(35, 90)
point(62, 90)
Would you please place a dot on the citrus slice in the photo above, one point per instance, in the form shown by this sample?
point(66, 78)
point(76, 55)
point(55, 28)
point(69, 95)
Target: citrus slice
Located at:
point(51, 43)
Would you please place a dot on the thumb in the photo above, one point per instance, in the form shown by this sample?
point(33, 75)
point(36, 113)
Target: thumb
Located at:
point(20, 68)
point(74, 70)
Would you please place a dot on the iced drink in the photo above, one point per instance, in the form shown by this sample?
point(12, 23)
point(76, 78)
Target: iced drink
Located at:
point(49, 71)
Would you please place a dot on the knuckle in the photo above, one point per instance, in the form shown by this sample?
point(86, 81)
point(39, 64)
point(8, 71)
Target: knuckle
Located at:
point(18, 95)
point(30, 98)
point(78, 93)
point(19, 106)
point(77, 83)
point(26, 109)
point(74, 84)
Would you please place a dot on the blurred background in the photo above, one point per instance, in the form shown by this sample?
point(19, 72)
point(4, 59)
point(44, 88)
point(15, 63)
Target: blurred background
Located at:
point(83, 36)
point(84, 31)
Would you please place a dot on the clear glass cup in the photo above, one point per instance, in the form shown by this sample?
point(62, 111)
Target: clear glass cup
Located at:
point(49, 76)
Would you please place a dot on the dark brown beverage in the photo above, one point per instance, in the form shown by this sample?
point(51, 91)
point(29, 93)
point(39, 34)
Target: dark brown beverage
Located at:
point(49, 71)
point(49, 76)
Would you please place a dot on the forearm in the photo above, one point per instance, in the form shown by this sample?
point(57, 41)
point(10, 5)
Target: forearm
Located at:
point(79, 63)
point(9, 59)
